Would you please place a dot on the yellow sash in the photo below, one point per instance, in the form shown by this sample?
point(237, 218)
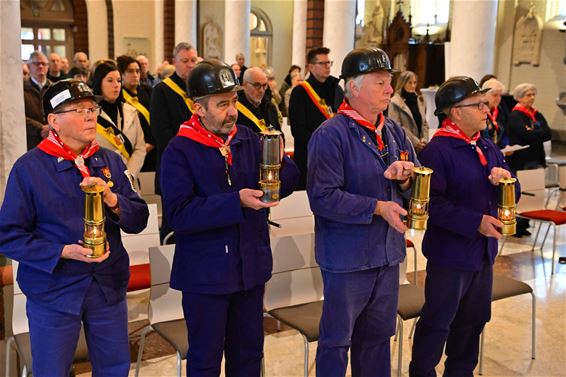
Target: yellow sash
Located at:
point(177, 89)
point(108, 134)
point(135, 102)
point(318, 102)
point(260, 123)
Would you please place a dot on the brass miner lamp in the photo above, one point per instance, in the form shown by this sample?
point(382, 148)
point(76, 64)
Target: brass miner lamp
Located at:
point(420, 196)
point(270, 165)
point(506, 206)
point(94, 235)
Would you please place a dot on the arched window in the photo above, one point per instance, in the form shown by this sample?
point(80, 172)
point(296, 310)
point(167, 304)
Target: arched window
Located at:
point(47, 27)
point(261, 38)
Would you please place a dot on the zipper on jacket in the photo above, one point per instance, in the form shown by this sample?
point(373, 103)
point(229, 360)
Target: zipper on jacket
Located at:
point(226, 248)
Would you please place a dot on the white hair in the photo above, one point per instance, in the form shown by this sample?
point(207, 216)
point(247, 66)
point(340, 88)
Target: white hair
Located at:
point(357, 80)
point(493, 84)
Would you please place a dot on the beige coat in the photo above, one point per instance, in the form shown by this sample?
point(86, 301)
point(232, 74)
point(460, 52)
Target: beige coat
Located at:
point(133, 131)
point(401, 114)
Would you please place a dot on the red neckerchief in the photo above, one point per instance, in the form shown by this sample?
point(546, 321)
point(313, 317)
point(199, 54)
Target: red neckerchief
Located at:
point(194, 130)
point(450, 129)
point(528, 112)
point(492, 114)
point(54, 146)
point(347, 110)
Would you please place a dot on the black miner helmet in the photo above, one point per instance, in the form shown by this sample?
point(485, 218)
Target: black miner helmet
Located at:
point(365, 60)
point(63, 92)
point(454, 90)
point(211, 76)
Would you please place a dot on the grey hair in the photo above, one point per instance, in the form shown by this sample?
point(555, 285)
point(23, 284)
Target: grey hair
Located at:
point(250, 71)
point(182, 46)
point(357, 81)
point(522, 89)
point(36, 54)
point(493, 84)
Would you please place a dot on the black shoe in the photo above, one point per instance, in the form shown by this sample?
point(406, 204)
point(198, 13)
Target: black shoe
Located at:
point(518, 235)
point(526, 233)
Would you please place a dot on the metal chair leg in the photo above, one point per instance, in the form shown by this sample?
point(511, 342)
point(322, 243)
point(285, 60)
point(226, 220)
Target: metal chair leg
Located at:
point(481, 352)
point(306, 356)
point(533, 320)
point(9, 344)
point(413, 329)
point(415, 264)
point(179, 364)
point(536, 237)
point(140, 351)
point(553, 249)
point(263, 366)
point(502, 244)
point(400, 341)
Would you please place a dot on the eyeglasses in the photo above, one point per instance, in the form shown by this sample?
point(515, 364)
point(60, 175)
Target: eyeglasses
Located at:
point(327, 63)
point(38, 64)
point(81, 111)
point(257, 85)
point(479, 105)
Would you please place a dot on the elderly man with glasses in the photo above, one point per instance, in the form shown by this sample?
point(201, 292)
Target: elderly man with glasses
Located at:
point(460, 243)
point(312, 102)
point(41, 225)
point(255, 109)
point(34, 87)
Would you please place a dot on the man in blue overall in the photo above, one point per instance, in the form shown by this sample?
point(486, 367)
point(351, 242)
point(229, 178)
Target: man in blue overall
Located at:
point(41, 223)
point(460, 243)
point(359, 169)
point(209, 180)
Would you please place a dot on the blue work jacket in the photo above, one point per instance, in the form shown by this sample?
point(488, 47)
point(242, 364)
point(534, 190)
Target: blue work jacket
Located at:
point(344, 182)
point(460, 194)
point(221, 247)
point(43, 211)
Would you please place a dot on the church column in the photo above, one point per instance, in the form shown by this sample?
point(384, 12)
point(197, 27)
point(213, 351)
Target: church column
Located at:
point(472, 50)
point(299, 32)
point(186, 21)
point(236, 29)
point(12, 113)
point(339, 29)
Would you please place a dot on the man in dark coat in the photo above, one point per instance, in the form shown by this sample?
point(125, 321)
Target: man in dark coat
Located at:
point(255, 110)
point(34, 87)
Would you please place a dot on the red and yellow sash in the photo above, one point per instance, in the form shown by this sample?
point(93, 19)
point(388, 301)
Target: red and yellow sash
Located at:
point(318, 102)
point(260, 123)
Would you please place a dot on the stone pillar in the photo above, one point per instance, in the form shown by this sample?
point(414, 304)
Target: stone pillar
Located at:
point(186, 21)
point(158, 43)
point(472, 53)
point(97, 30)
point(299, 33)
point(339, 29)
point(12, 112)
point(237, 29)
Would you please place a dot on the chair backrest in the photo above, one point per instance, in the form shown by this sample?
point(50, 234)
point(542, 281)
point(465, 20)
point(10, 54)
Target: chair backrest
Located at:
point(164, 302)
point(19, 317)
point(296, 276)
point(137, 245)
point(533, 188)
point(146, 182)
point(293, 206)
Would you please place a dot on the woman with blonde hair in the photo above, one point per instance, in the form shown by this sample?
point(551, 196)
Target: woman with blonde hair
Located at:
point(407, 108)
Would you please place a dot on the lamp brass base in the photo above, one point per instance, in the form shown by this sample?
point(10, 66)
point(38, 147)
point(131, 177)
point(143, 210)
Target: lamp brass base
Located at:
point(270, 191)
point(416, 224)
point(97, 249)
point(509, 229)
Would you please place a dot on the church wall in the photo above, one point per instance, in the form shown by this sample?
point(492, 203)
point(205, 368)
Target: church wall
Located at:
point(97, 30)
point(549, 77)
point(281, 15)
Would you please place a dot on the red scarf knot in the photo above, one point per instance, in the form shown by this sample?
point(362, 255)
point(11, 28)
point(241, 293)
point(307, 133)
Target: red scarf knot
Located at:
point(492, 114)
point(54, 146)
point(450, 129)
point(348, 111)
point(194, 130)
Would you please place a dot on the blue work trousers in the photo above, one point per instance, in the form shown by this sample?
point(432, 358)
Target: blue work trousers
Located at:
point(231, 324)
point(457, 307)
point(359, 312)
point(54, 336)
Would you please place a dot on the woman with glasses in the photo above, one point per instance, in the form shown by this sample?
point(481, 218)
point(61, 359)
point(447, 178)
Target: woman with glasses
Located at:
point(408, 110)
point(118, 127)
point(138, 96)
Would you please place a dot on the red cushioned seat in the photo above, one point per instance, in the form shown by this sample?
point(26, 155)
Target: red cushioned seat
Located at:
point(409, 243)
point(557, 217)
point(140, 277)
